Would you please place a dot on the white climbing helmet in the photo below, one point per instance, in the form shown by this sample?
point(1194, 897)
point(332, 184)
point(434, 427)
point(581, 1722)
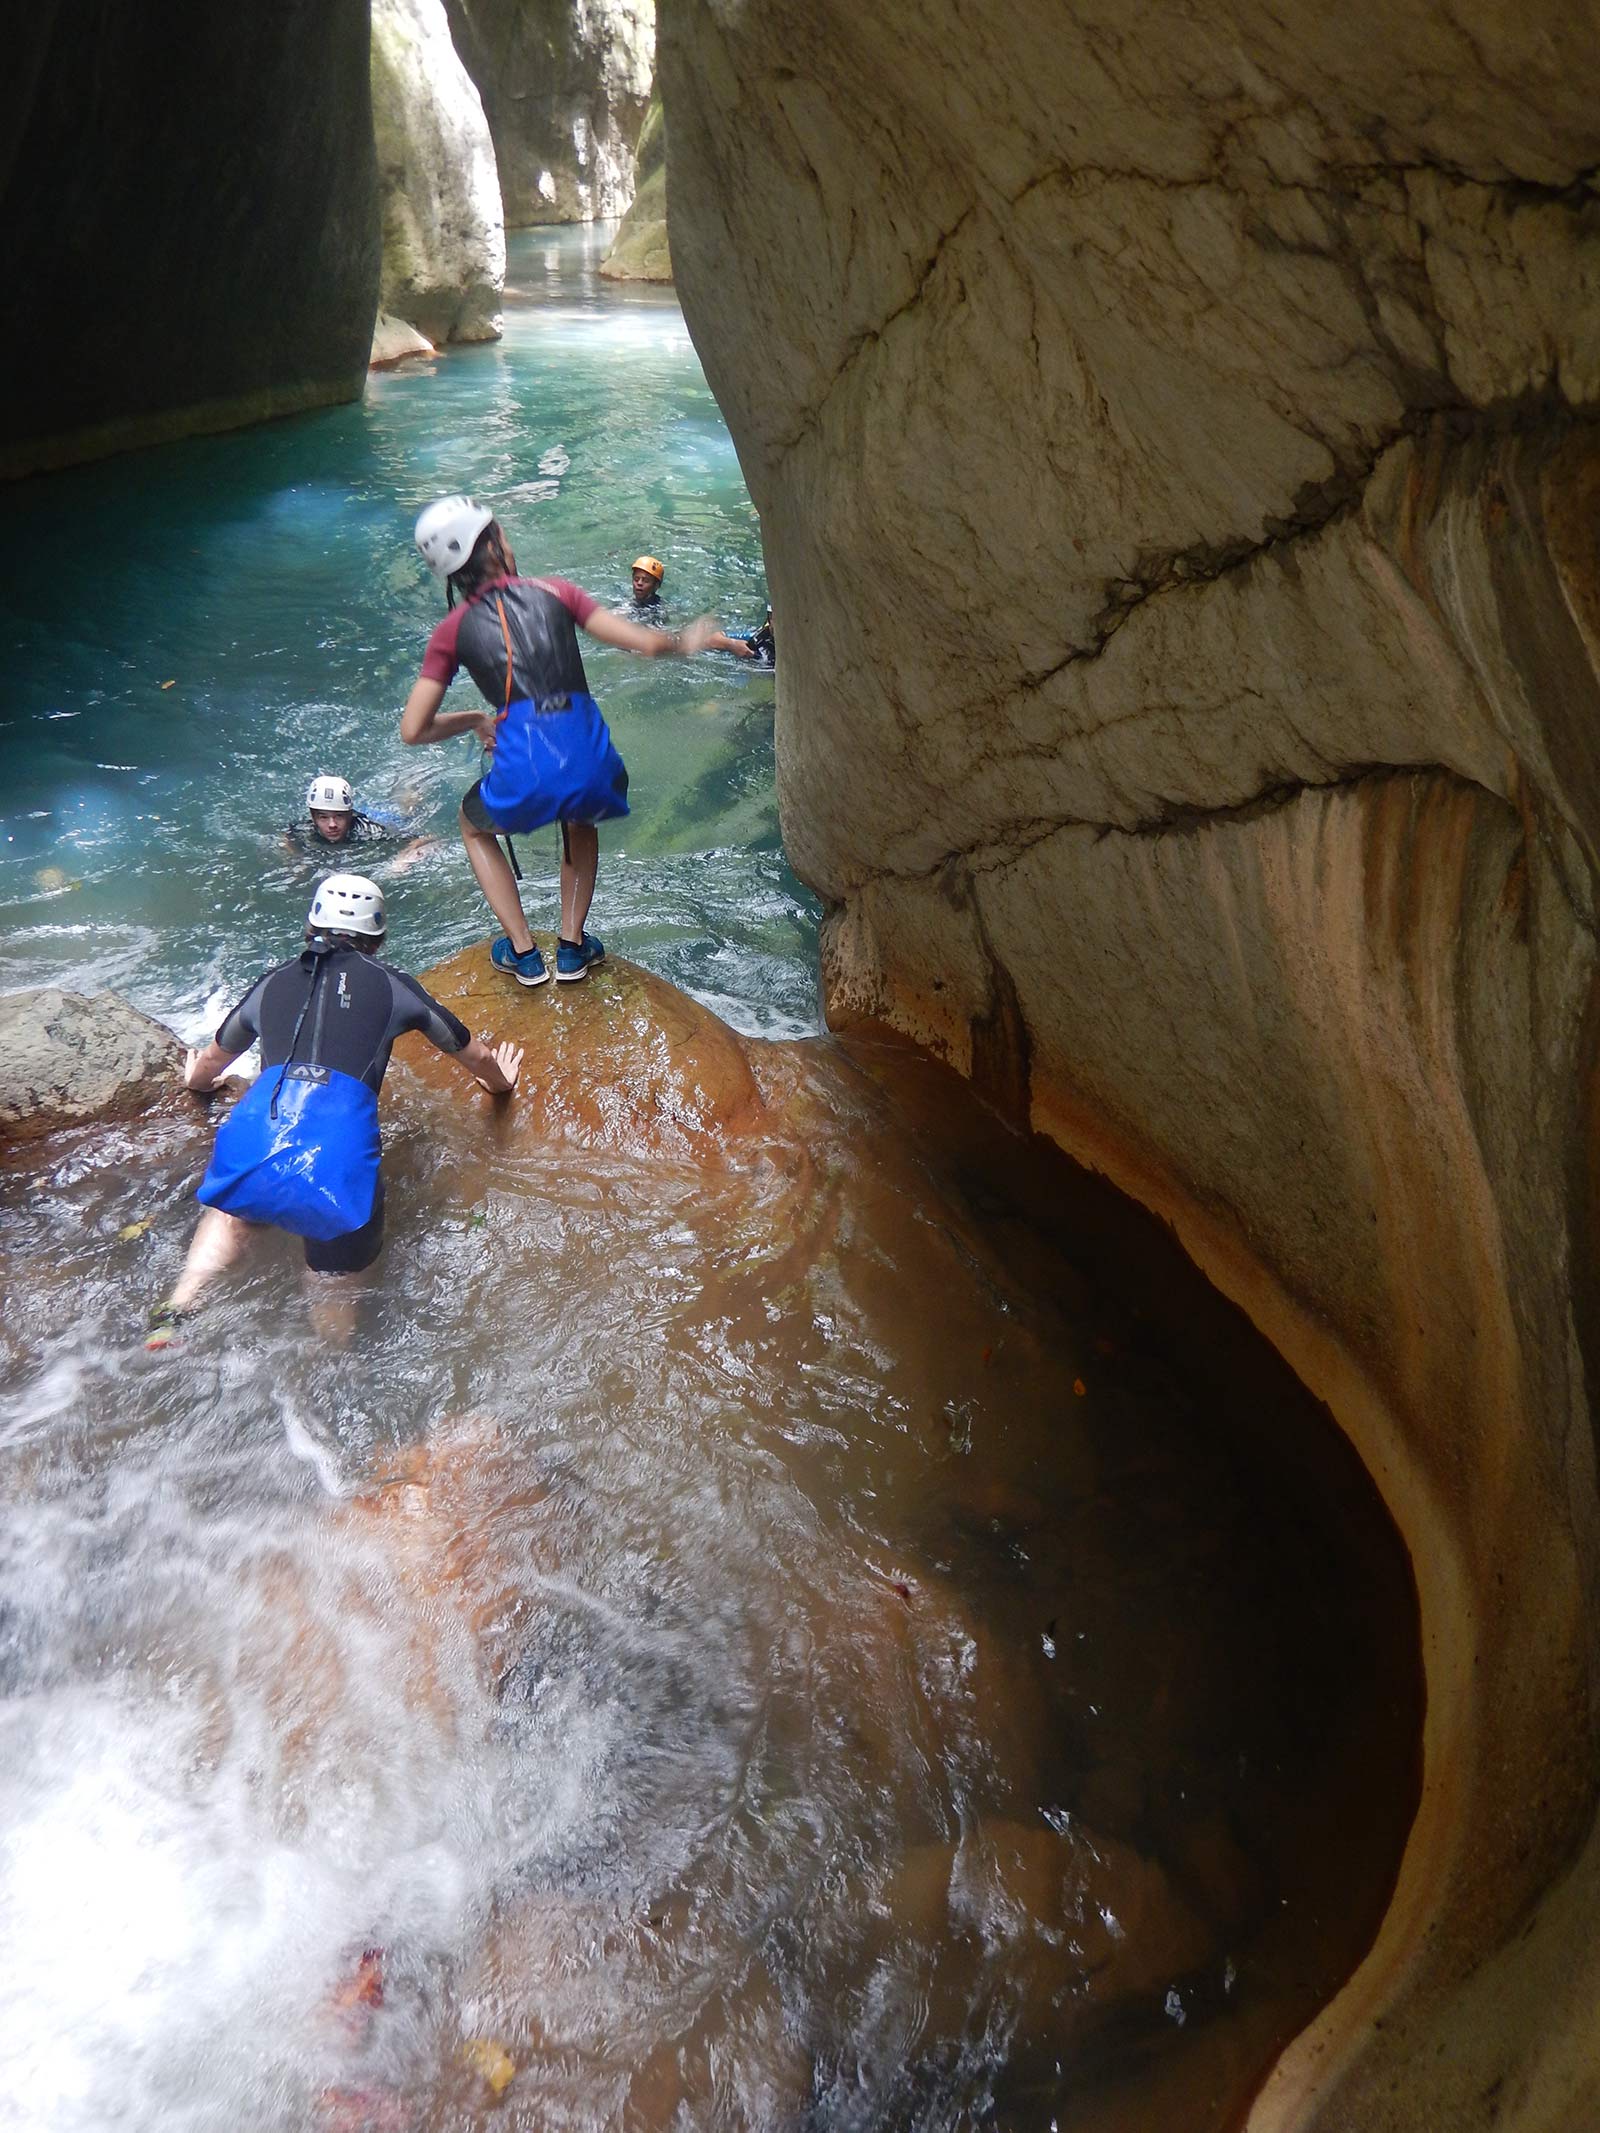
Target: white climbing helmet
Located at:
point(348, 903)
point(447, 530)
point(330, 796)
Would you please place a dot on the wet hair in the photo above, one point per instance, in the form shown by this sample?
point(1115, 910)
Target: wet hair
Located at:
point(491, 558)
point(369, 942)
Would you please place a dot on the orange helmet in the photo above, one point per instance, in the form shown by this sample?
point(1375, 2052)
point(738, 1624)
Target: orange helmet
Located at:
point(649, 564)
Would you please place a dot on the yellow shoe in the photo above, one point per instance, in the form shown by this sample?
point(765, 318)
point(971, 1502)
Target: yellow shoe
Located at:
point(164, 1329)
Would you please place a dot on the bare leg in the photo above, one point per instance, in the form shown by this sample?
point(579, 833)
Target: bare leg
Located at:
point(331, 1303)
point(217, 1242)
point(580, 863)
point(498, 884)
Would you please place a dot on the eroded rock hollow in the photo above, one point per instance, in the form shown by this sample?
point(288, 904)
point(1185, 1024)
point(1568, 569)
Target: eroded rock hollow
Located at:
point(1177, 462)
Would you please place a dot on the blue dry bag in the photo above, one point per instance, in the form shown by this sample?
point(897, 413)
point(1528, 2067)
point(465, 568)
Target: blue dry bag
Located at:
point(300, 1148)
point(553, 762)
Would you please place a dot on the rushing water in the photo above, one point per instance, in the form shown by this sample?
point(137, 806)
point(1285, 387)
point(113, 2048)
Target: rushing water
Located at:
point(843, 1633)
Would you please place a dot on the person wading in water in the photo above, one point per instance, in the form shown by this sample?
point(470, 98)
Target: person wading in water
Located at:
point(553, 756)
point(299, 1151)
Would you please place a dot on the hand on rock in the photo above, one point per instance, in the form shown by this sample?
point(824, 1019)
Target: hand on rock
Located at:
point(508, 1058)
point(191, 1063)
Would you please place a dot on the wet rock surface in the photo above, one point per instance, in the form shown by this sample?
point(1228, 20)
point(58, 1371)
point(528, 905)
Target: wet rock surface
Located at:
point(873, 1624)
point(65, 1060)
point(1176, 456)
point(621, 1060)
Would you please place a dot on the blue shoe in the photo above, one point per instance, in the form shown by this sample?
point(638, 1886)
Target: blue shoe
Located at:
point(526, 969)
point(573, 963)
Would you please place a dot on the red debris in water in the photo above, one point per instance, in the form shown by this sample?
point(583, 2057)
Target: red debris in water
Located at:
point(363, 2111)
point(1079, 1387)
point(987, 1357)
point(364, 1986)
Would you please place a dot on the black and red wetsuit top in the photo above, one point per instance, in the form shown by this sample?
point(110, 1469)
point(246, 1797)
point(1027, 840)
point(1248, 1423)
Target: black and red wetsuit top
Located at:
point(542, 616)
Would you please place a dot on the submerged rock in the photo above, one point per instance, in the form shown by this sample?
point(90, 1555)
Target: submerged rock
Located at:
point(444, 240)
point(622, 1060)
point(65, 1059)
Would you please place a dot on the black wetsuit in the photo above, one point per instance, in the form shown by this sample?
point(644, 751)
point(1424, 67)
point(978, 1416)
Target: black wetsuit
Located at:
point(362, 1006)
point(363, 830)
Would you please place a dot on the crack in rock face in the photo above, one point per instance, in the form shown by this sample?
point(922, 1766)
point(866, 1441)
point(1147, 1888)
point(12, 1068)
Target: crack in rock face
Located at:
point(1180, 480)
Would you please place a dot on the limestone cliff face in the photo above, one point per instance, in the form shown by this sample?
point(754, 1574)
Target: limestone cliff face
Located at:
point(1178, 464)
point(639, 251)
point(188, 221)
point(565, 84)
point(444, 239)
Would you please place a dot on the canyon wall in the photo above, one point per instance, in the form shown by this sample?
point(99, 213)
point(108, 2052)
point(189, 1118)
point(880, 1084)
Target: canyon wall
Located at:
point(1177, 461)
point(639, 251)
point(188, 221)
point(444, 239)
point(564, 84)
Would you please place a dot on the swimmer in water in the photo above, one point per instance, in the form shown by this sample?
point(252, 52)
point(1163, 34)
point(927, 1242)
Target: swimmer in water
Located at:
point(300, 1150)
point(333, 822)
point(553, 757)
point(646, 606)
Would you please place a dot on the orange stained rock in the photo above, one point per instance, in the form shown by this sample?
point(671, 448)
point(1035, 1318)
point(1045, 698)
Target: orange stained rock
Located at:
point(622, 1061)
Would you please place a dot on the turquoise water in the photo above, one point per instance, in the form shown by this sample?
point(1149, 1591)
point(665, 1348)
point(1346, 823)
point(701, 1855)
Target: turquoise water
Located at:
point(844, 1632)
point(269, 577)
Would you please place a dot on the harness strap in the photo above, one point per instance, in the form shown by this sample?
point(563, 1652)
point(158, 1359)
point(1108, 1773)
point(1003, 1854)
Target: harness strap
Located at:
point(500, 610)
point(499, 606)
point(300, 1019)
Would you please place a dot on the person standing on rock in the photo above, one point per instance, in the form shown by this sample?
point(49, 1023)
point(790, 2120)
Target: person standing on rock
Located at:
point(300, 1151)
point(553, 756)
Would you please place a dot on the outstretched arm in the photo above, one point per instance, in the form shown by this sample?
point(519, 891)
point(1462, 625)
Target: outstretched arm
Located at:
point(695, 636)
point(203, 1070)
point(496, 1069)
point(409, 854)
point(422, 721)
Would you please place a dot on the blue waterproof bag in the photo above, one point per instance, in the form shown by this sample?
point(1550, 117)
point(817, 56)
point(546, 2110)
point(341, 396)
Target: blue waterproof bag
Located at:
point(299, 1150)
point(553, 762)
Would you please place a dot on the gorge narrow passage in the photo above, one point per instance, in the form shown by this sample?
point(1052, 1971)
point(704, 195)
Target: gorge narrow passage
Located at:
point(810, 1614)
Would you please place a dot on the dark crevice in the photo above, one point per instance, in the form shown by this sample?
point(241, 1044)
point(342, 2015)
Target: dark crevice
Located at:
point(1002, 848)
point(866, 339)
point(1002, 1050)
point(1338, 181)
point(1315, 506)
